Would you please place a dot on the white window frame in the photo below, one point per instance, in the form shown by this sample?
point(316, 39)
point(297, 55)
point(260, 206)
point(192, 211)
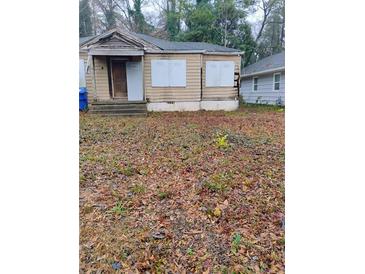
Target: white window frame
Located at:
point(253, 83)
point(273, 81)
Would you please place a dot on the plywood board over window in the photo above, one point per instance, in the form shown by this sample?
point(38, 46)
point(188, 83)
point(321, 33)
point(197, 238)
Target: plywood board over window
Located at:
point(219, 74)
point(159, 73)
point(177, 73)
point(82, 78)
point(168, 73)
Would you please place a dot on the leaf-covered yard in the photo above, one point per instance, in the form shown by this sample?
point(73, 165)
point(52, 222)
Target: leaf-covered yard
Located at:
point(199, 192)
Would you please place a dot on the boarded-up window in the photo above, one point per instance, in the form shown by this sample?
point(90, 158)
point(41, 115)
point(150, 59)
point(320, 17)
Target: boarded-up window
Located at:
point(82, 80)
point(219, 74)
point(160, 72)
point(177, 73)
point(168, 73)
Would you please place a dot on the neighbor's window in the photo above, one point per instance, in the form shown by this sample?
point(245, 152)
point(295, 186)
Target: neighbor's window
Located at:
point(276, 81)
point(255, 83)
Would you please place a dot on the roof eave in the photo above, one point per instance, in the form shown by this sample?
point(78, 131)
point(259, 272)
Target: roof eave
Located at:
point(224, 52)
point(195, 51)
point(263, 72)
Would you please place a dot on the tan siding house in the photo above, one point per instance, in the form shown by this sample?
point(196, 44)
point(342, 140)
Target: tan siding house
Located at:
point(125, 67)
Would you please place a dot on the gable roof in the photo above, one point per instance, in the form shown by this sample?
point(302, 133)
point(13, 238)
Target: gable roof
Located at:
point(271, 63)
point(161, 44)
point(83, 40)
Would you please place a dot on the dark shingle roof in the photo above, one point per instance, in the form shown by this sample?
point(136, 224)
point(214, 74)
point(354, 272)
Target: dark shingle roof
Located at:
point(85, 39)
point(269, 63)
point(169, 45)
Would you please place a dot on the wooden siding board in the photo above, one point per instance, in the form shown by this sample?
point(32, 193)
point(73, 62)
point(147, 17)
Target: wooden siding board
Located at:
point(219, 92)
point(162, 94)
point(195, 64)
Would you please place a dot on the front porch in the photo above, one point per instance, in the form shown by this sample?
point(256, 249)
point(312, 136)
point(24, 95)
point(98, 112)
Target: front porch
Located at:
point(117, 78)
point(116, 64)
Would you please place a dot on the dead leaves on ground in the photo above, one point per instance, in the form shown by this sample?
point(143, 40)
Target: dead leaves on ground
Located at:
point(163, 195)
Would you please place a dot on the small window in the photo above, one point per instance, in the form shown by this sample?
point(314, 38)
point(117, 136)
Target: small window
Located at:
point(276, 81)
point(255, 83)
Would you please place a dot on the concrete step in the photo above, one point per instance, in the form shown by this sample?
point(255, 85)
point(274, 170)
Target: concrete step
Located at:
point(118, 102)
point(124, 106)
point(121, 114)
point(120, 108)
point(118, 111)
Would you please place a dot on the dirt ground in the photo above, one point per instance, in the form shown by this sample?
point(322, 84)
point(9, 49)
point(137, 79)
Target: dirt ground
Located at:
point(198, 192)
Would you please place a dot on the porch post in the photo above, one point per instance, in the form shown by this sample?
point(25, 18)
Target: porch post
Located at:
point(144, 90)
point(94, 79)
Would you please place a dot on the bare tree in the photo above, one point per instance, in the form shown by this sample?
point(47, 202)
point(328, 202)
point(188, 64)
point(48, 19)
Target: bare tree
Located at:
point(266, 6)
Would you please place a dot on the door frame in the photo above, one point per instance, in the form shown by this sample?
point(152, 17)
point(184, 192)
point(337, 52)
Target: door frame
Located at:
point(124, 59)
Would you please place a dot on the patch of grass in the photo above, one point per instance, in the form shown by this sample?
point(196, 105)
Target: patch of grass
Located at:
point(82, 179)
point(190, 251)
point(88, 209)
point(215, 186)
point(160, 266)
point(218, 182)
point(236, 242)
point(143, 171)
point(138, 189)
point(119, 209)
point(163, 195)
point(128, 171)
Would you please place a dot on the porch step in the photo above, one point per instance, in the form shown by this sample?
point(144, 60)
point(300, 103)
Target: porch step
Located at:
point(114, 108)
point(119, 102)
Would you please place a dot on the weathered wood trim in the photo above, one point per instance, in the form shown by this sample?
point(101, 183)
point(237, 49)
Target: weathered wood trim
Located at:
point(234, 53)
point(143, 84)
point(116, 52)
point(94, 79)
point(108, 66)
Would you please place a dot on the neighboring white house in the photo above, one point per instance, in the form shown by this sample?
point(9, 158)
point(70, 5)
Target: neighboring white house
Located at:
point(264, 81)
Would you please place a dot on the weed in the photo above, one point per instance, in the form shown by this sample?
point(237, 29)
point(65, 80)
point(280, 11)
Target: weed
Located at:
point(163, 195)
point(118, 209)
point(215, 186)
point(137, 189)
point(190, 251)
point(236, 241)
point(222, 142)
point(218, 182)
point(128, 171)
point(143, 171)
point(88, 209)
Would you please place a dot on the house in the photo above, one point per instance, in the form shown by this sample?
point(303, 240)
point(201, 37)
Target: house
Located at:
point(121, 67)
point(264, 82)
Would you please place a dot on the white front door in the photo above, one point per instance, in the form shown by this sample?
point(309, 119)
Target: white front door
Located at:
point(134, 81)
